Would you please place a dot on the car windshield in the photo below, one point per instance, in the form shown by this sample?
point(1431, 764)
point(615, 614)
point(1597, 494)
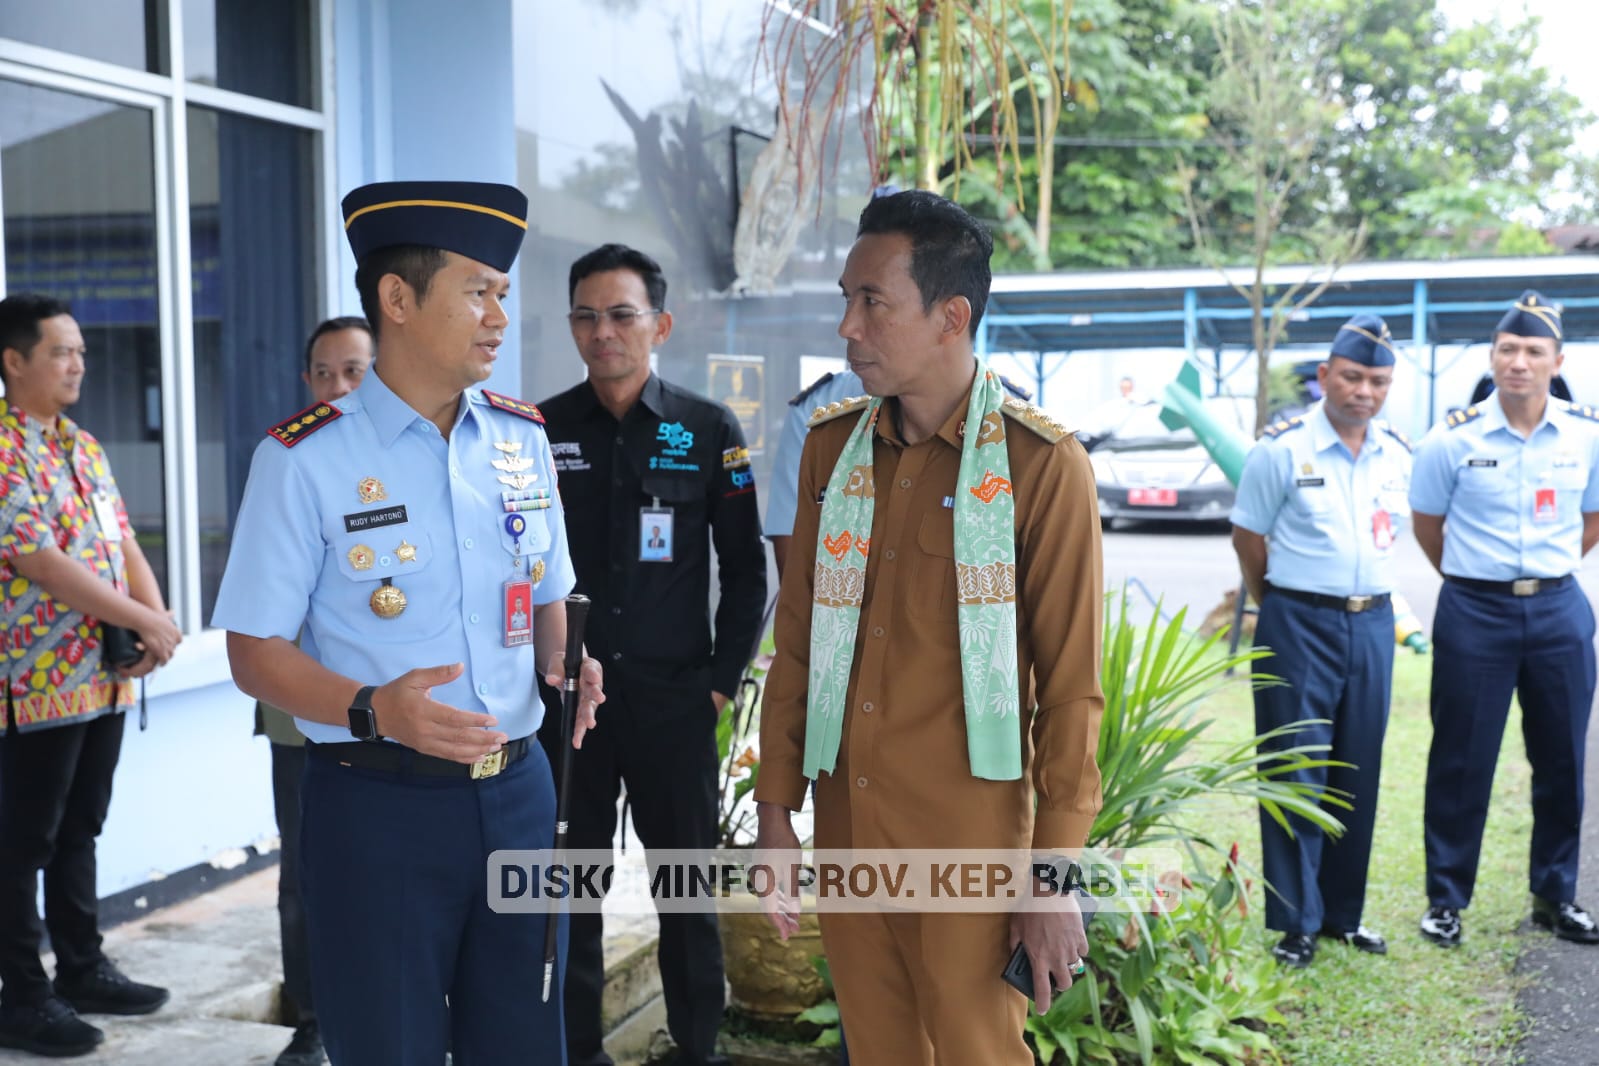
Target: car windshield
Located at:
point(1142, 430)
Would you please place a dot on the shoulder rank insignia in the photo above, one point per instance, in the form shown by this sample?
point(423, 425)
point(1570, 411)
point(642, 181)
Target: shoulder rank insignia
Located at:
point(520, 408)
point(1582, 410)
point(1460, 418)
point(1035, 419)
point(1387, 427)
point(799, 397)
point(1277, 429)
point(837, 409)
point(292, 431)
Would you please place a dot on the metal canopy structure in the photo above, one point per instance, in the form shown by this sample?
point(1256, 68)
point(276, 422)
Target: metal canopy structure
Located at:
point(1424, 303)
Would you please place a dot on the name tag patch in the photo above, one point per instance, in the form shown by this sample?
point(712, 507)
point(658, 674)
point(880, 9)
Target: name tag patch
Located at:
point(1310, 482)
point(383, 516)
point(1482, 462)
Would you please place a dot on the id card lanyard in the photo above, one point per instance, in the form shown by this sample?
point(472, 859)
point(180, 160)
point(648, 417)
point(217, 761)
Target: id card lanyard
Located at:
point(516, 618)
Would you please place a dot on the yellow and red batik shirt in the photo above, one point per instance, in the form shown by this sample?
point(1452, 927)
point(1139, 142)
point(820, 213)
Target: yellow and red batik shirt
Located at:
point(49, 478)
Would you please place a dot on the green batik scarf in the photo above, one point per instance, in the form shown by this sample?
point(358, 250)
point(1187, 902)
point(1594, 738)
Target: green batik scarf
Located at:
point(985, 574)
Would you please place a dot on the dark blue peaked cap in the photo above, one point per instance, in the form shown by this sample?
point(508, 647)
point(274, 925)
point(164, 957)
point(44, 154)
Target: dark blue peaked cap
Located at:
point(1532, 316)
point(480, 220)
point(1364, 339)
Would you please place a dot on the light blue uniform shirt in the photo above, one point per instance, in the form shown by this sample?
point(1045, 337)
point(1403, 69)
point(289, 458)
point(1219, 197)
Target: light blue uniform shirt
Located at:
point(1332, 516)
point(1512, 505)
point(291, 567)
point(782, 496)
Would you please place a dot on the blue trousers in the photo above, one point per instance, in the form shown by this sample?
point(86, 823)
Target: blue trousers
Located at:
point(1337, 666)
point(1487, 645)
point(407, 959)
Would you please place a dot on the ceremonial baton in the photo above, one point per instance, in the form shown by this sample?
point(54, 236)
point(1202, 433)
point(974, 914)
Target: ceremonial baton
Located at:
point(577, 612)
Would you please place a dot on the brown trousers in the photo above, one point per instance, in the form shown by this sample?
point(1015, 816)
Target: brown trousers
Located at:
point(924, 989)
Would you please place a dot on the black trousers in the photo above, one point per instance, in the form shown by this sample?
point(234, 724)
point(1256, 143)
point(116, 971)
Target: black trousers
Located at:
point(288, 766)
point(55, 789)
point(663, 747)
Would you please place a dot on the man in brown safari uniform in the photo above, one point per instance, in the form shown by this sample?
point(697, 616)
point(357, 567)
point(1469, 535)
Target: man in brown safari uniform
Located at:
point(938, 636)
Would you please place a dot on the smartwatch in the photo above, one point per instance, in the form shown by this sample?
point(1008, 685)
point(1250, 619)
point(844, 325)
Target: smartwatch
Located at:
point(363, 722)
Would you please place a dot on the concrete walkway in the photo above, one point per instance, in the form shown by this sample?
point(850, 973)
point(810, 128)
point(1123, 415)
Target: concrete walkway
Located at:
point(219, 955)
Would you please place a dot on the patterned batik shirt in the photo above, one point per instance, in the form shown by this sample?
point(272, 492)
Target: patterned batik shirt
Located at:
point(49, 479)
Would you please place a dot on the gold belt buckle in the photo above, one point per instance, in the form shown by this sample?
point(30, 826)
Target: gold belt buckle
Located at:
point(488, 765)
point(1357, 604)
point(1524, 586)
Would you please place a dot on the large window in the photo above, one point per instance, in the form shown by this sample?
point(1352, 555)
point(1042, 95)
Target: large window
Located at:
point(77, 179)
point(163, 173)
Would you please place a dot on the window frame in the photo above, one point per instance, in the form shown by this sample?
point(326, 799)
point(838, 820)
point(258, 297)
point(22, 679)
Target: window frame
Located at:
point(167, 97)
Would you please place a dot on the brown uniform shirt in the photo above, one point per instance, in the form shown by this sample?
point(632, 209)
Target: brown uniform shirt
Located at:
point(903, 779)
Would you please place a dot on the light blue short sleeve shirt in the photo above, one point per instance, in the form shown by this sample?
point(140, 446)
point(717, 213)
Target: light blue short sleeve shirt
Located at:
point(782, 495)
point(1331, 517)
point(378, 494)
point(1512, 505)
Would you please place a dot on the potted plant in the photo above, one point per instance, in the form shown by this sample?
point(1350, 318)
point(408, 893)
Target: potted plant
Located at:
point(770, 979)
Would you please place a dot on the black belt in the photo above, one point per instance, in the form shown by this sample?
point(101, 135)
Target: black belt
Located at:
point(398, 759)
point(1522, 586)
point(1349, 604)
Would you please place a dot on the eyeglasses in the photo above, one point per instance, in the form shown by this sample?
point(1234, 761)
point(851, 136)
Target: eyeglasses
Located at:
point(620, 317)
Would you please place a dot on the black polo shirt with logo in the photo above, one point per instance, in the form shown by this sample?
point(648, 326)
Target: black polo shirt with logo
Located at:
point(650, 621)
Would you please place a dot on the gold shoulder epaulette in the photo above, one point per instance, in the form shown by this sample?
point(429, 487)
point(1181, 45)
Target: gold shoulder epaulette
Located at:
point(1277, 429)
point(1582, 410)
point(1460, 418)
point(1035, 419)
point(1387, 427)
point(511, 405)
point(292, 431)
point(837, 408)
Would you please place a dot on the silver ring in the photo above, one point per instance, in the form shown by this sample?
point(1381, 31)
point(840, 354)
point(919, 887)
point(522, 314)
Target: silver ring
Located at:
point(1079, 966)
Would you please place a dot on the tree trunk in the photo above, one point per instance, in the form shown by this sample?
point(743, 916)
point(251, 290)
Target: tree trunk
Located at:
point(926, 157)
point(1046, 180)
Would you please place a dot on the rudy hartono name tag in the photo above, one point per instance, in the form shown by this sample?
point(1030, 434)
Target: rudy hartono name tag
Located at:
point(383, 516)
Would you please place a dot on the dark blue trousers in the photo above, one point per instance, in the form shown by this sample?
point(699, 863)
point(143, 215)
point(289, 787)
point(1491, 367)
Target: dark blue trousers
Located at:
point(406, 956)
point(1487, 645)
point(1335, 666)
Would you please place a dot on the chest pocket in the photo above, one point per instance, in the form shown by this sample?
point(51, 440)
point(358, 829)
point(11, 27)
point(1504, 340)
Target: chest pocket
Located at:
point(1311, 494)
point(932, 593)
point(388, 551)
point(536, 537)
point(676, 490)
point(1484, 480)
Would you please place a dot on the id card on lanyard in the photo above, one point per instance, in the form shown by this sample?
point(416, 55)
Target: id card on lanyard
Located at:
point(655, 533)
point(105, 514)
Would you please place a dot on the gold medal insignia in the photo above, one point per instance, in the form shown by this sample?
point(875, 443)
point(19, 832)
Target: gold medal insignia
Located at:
point(538, 571)
point(387, 601)
point(406, 552)
point(371, 490)
point(360, 557)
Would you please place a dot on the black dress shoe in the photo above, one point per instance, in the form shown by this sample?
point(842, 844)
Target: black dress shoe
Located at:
point(1441, 925)
point(107, 990)
point(1294, 950)
point(1566, 920)
point(305, 1049)
point(51, 1028)
point(1361, 939)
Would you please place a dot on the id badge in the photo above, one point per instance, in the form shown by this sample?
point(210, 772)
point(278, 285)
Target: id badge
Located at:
point(105, 513)
point(1382, 530)
point(655, 535)
point(1544, 510)
point(517, 627)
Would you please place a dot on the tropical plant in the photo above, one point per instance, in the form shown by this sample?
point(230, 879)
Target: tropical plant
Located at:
point(1185, 982)
point(739, 762)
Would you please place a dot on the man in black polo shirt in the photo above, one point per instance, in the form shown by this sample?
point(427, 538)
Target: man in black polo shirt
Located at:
point(651, 476)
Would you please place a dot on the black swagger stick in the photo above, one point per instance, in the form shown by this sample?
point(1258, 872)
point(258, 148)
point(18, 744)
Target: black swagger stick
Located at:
point(577, 612)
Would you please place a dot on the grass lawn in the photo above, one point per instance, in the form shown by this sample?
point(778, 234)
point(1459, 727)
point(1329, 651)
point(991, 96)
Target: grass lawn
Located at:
point(1420, 1002)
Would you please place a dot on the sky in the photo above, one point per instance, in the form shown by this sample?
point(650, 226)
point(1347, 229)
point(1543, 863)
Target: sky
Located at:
point(1566, 42)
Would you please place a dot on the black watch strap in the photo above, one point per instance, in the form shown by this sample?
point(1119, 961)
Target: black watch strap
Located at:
point(363, 720)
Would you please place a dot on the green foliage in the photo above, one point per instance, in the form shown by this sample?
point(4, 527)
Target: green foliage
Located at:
point(1191, 984)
